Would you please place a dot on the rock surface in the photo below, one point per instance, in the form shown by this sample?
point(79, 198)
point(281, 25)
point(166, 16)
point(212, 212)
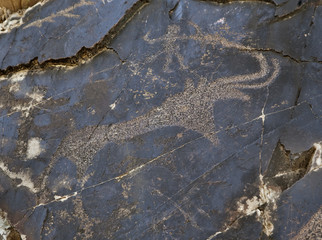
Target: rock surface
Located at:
point(162, 119)
point(15, 5)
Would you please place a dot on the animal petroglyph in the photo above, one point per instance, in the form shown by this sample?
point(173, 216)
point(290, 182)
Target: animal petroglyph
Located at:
point(191, 109)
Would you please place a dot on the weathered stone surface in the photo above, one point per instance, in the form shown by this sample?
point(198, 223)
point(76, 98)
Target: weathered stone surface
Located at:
point(56, 30)
point(190, 120)
point(15, 5)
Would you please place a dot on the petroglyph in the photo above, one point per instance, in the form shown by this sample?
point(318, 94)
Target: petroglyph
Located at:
point(171, 44)
point(63, 13)
point(191, 109)
point(170, 48)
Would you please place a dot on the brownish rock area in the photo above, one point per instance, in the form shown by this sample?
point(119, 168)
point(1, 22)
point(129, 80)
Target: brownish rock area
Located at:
point(15, 5)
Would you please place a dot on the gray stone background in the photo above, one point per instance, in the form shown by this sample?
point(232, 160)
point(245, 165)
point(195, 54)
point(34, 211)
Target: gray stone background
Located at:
point(161, 119)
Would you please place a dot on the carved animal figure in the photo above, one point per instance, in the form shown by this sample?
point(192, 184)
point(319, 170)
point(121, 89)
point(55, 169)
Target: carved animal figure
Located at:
point(191, 109)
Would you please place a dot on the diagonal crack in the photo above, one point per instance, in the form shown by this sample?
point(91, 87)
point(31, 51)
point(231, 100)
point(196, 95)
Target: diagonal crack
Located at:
point(84, 54)
point(282, 54)
point(232, 1)
point(263, 117)
point(12, 43)
point(311, 25)
point(290, 14)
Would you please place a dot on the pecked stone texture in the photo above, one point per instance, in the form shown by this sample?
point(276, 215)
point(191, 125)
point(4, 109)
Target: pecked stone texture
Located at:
point(162, 120)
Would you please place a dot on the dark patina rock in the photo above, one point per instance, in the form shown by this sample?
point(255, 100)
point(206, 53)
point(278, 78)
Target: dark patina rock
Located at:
point(162, 120)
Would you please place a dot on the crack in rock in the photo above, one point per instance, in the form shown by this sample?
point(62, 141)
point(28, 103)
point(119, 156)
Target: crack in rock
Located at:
point(84, 54)
point(232, 1)
point(283, 171)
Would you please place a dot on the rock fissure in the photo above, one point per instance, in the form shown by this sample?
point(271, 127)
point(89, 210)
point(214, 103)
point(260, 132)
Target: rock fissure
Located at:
point(83, 55)
point(282, 54)
point(170, 128)
point(171, 12)
point(288, 15)
point(283, 171)
point(233, 1)
point(86, 54)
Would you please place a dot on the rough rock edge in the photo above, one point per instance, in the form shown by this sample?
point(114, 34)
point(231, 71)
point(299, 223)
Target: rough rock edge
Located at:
point(84, 54)
point(265, 204)
point(10, 19)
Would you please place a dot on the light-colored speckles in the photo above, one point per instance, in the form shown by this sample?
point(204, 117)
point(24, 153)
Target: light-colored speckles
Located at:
point(191, 108)
point(62, 182)
point(312, 229)
point(86, 223)
point(126, 189)
point(123, 213)
point(15, 81)
point(170, 47)
point(65, 215)
point(34, 148)
point(23, 177)
point(148, 95)
point(63, 13)
point(35, 98)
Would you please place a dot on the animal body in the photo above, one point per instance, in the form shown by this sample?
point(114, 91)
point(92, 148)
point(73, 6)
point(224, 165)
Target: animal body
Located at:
point(10, 6)
point(191, 109)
